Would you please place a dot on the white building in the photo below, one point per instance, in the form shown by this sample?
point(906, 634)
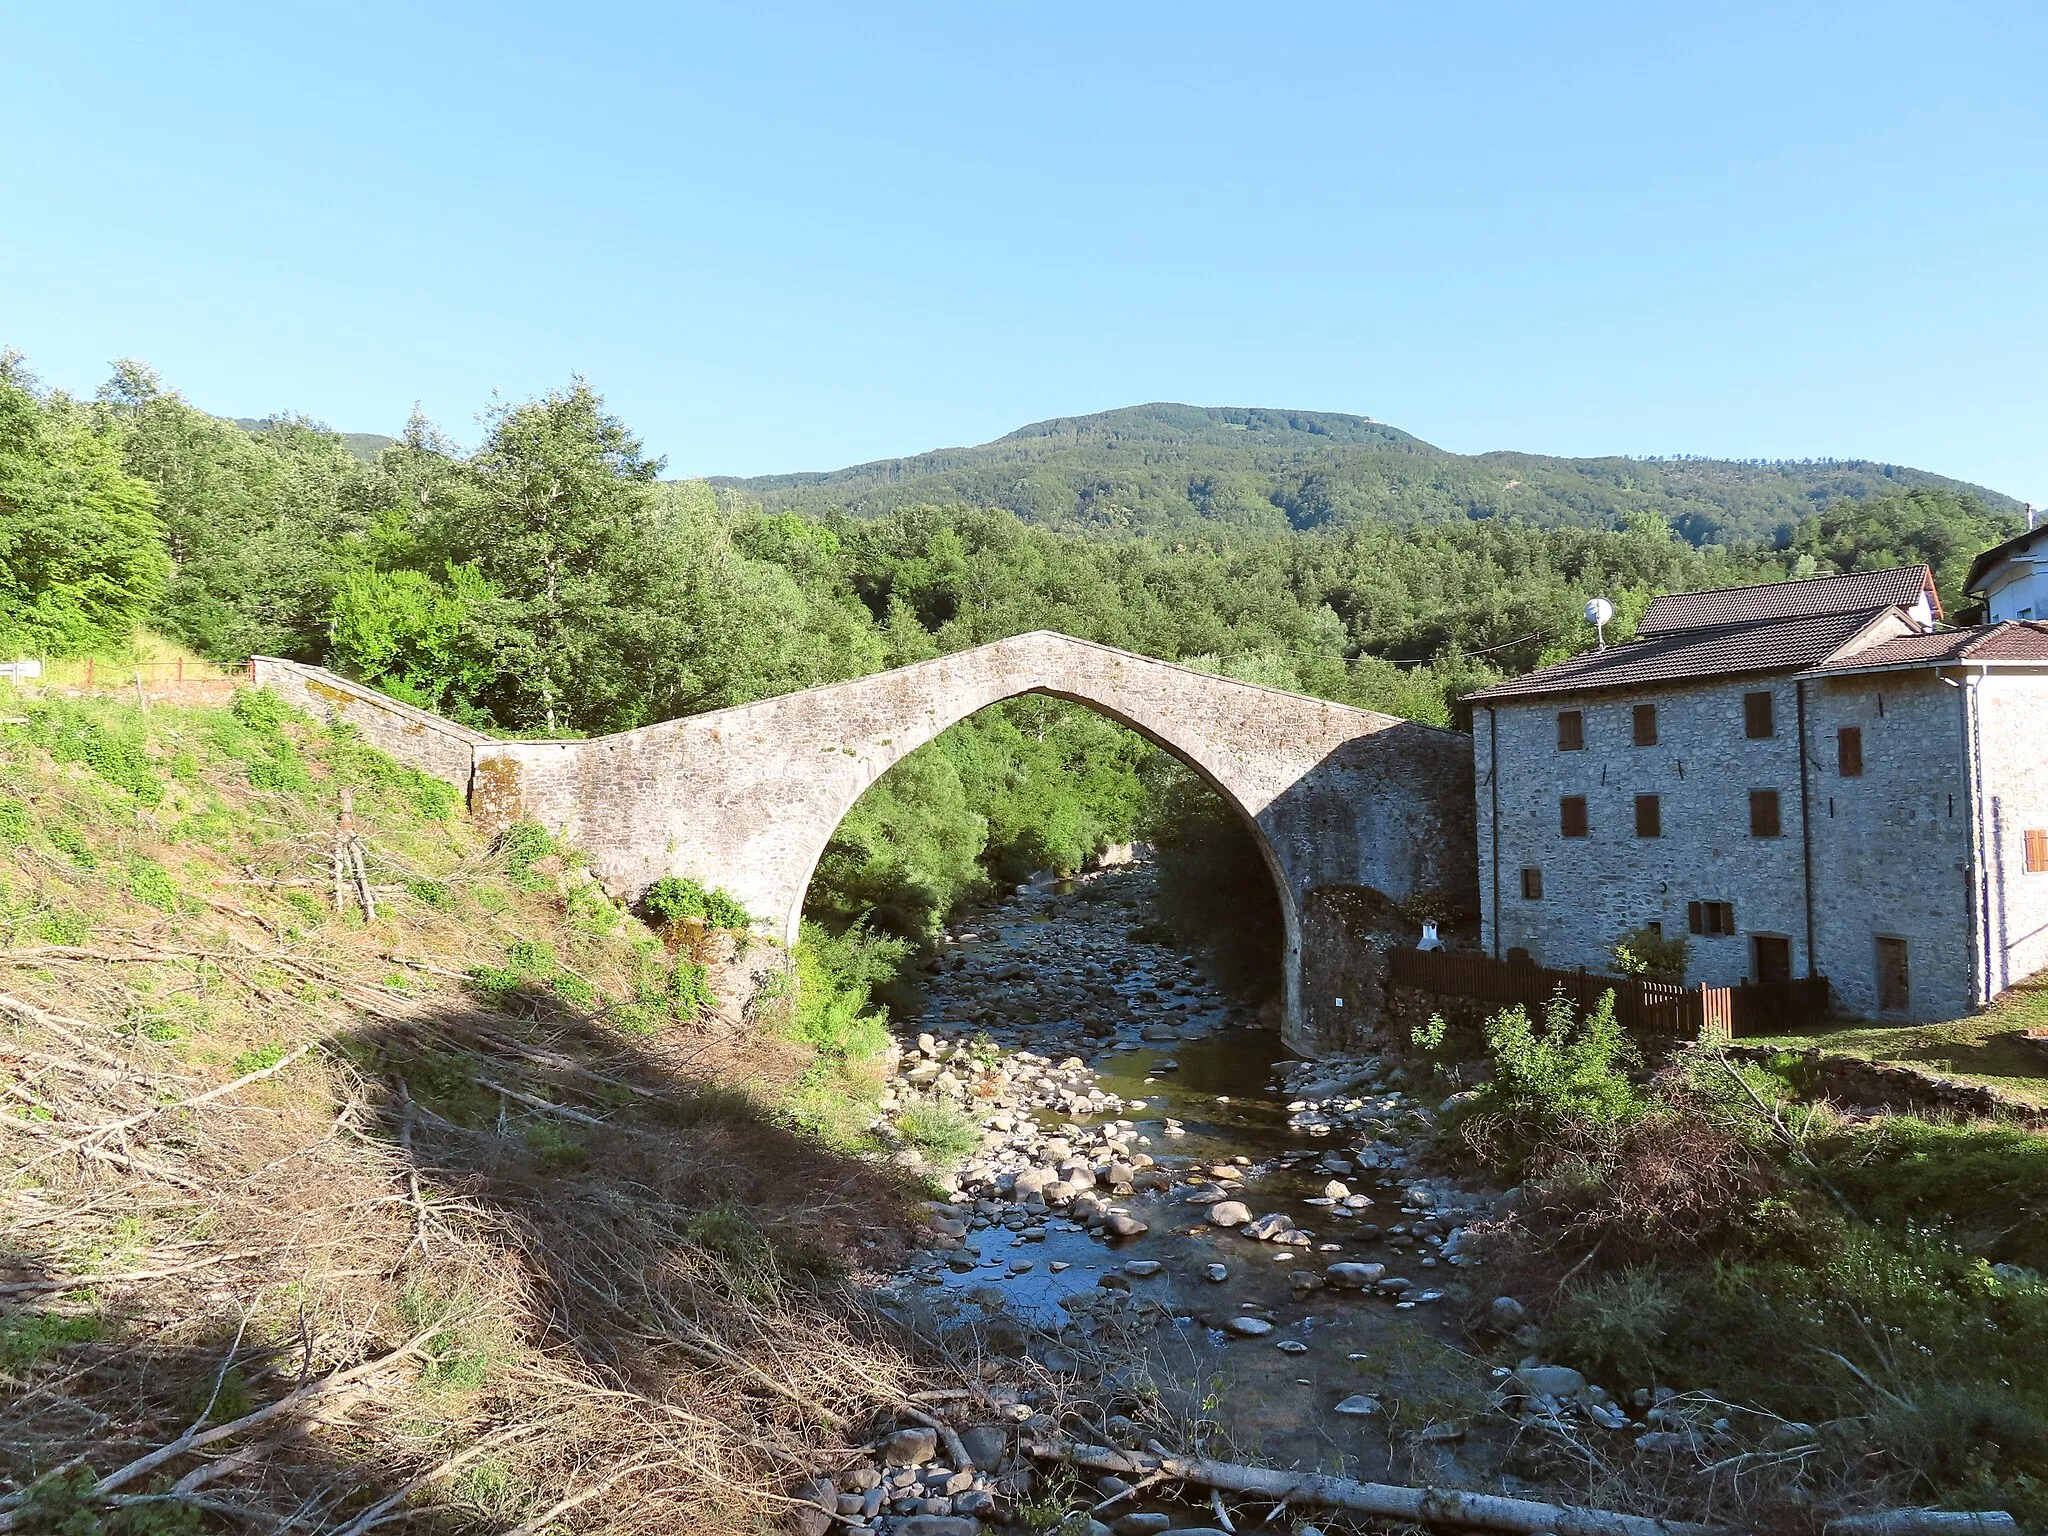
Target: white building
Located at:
point(2013, 577)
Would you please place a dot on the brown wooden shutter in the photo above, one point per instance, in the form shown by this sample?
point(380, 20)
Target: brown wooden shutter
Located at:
point(1571, 815)
point(1532, 885)
point(1646, 725)
point(1695, 922)
point(1756, 715)
point(1763, 813)
point(1649, 816)
point(2037, 852)
point(1849, 752)
point(1571, 730)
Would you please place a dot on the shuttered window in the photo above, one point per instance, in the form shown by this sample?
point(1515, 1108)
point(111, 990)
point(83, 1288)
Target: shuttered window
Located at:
point(1710, 918)
point(1849, 752)
point(1571, 815)
point(1571, 730)
point(1649, 816)
point(1646, 725)
point(1532, 885)
point(1756, 716)
point(2037, 852)
point(1763, 813)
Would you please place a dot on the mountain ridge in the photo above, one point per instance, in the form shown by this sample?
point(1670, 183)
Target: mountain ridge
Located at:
point(1167, 468)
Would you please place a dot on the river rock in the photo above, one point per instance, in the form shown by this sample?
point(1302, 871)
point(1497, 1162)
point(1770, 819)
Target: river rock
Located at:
point(1218, 1272)
point(1248, 1327)
point(1123, 1224)
point(1358, 1406)
point(1354, 1277)
point(1506, 1313)
point(1550, 1381)
point(938, 1525)
point(1229, 1213)
point(986, 1445)
point(910, 1447)
point(1336, 1190)
point(1142, 1269)
point(1269, 1227)
point(1142, 1523)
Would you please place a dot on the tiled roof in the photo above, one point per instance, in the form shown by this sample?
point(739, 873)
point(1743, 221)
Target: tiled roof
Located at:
point(1981, 566)
point(1861, 592)
point(2020, 641)
point(1789, 645)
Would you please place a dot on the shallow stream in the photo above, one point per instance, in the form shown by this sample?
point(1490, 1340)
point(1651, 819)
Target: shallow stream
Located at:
point(1212, 1098)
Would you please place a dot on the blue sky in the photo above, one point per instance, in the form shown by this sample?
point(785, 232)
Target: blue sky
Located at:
point(785, 237)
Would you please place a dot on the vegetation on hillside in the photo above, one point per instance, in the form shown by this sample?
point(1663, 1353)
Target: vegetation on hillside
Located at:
point(433, 1184)
point(1183, 471)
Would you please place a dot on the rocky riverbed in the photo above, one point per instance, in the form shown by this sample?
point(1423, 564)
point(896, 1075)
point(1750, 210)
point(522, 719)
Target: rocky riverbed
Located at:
point(1154, 1202)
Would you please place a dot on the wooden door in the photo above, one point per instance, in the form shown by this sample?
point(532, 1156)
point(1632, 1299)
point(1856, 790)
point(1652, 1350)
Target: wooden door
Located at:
point(1894, 984)
point(1772, 954)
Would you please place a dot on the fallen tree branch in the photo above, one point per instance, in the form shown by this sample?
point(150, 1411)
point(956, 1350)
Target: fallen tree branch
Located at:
point(1388, 1501)
point(377, 1514)
point(70, 1282)
point(1921, 1522)
point(114, 1127)
point(196, 1439)
point(105, 1155)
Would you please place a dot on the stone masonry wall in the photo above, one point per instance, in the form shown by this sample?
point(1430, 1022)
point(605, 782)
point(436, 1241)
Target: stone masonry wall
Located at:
point(1599, 886)
point(1891, 848)
point(413, 736)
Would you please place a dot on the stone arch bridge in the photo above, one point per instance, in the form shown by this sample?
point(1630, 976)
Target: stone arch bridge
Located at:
point(747, 798)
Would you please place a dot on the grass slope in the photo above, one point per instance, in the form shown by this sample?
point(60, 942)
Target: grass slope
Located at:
point(471, 1204)
point(1165, 468)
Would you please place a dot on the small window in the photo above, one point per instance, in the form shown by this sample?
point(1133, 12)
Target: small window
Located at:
point(1571, 815)
point(1756, 716)
point(1763, 813)
point(1849, 752)
point(2037, 852)
point(1646, 725)
point(1532, 885)
point(1894, 981)
point(1649, 816)
point(1712, 919)
point(1571, 730)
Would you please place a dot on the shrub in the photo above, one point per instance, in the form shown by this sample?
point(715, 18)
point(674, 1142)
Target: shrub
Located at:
point(428, 893)
point(69, 929)
point(523, 845)
point(255, 1061)
point(150, 883)
point(74, 847)
point(261, 709)
point(675, 897)
point(74, 737)
point(531, 967)
point(1616, 1325)
point(837, 975)
point(941, 1134)
point(1648, 953)
point(15, 822)
point(27, 1336)
point(1553, 1083)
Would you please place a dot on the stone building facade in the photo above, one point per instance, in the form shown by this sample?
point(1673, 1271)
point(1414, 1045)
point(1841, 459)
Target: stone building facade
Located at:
point(1806, 779)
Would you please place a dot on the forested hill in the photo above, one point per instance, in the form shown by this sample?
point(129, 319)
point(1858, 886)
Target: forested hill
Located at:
point(1169, 469)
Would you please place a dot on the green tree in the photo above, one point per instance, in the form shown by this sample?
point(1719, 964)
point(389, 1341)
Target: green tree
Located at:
point(81, 549)
point(562, 492)
point(413, 635)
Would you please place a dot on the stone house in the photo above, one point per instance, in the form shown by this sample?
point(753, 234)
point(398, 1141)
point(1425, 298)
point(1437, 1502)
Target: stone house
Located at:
point(1803, 778)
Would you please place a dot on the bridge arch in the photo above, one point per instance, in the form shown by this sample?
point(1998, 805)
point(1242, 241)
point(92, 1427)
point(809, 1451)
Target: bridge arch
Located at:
point(748, 797)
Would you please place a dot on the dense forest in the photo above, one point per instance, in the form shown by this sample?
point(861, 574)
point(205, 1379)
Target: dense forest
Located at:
point(1182, 470)
point(550, 582)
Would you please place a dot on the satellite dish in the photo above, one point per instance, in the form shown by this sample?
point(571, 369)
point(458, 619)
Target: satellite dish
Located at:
point(1598, 612)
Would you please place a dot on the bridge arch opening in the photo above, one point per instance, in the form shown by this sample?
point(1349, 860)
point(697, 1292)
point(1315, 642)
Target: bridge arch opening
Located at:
point(1045, 780)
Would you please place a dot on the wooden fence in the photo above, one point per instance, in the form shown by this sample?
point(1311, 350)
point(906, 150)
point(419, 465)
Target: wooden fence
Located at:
point(1646, 1009)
